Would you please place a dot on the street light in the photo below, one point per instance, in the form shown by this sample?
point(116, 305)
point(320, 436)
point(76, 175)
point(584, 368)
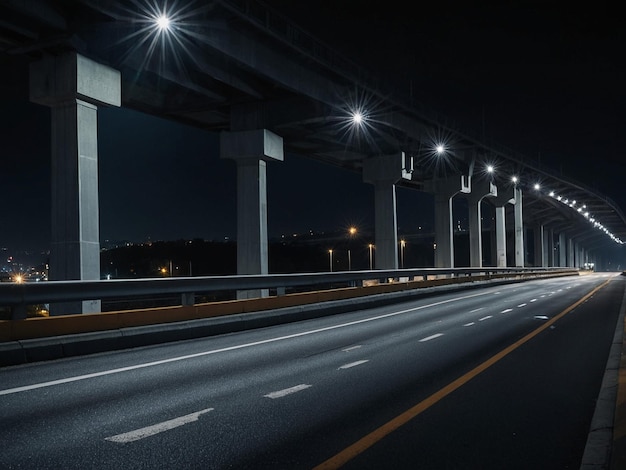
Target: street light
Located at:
point(371, 247)
point(351, 232)
point(162, 22)
point(330, 254)
point(402, 245)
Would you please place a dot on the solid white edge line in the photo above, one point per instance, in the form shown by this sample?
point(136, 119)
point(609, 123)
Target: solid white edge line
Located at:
point(287, 391)
point(156, 428)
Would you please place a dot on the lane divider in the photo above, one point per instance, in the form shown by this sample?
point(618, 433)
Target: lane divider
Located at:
point(352, 364)
point(157, 428)
point(287, 391)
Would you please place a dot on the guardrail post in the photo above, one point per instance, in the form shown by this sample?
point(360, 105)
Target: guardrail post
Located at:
point(280, 291)
point(188, 299)
point(18, 312)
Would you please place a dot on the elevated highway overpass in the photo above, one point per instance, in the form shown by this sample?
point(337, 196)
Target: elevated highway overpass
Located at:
point(239, 69)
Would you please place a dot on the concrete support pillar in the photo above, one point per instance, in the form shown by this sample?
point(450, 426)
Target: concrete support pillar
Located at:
point(562, 250)
point(570, 253)
point(549, 246)
point(519, 229)
point(73, 87)
point(538, 234)
point(504, 197)
point(384, 172)
point(480, 190)
point(251, 150)
point(444, 190)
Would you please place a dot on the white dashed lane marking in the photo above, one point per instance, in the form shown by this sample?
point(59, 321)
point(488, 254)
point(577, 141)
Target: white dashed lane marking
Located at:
point(485, 318)
point(352, 364)
point(469, 324)
point(521, 305)
point(428, 338)
point(352, 348)
point(507, 310)
point(157, 428)
point(287, 391)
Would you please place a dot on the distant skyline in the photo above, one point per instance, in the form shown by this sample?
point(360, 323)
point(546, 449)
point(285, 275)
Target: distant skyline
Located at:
point(543, 80)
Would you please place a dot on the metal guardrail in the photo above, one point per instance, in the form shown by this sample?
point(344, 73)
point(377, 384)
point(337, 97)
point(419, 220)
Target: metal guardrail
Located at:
point(18, 296)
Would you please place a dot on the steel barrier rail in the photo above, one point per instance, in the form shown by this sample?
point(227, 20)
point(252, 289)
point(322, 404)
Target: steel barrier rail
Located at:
point(18, 295)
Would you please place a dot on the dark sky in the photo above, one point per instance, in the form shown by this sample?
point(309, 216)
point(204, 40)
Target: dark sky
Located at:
point(541, 78)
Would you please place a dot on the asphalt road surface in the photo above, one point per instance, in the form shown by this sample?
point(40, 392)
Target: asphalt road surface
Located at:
point(500, 377)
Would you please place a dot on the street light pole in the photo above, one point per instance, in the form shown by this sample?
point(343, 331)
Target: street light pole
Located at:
point(370, 246)
point(349, 261)
point(402, 245)
point(330, 253)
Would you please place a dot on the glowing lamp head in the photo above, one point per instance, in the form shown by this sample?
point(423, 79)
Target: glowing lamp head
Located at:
point(489, 168)
point(357, 117)
point(440, 149)
point(163, 22)
point(514, 180)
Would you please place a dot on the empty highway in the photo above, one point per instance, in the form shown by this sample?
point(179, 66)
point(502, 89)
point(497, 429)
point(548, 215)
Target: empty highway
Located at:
point(487, 378)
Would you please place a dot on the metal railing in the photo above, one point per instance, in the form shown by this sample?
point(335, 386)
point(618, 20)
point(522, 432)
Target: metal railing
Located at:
point(17, 296)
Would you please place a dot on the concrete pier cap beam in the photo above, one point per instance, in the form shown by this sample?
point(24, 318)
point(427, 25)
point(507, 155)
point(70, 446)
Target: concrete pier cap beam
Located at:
point(73, 86)
point(384, 172)
point(444, 189)
point(251, 150)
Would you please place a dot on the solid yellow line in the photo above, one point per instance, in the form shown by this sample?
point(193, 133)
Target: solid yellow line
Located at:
point(372, 438)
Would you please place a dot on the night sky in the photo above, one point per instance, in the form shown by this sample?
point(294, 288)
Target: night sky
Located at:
point(542, 79)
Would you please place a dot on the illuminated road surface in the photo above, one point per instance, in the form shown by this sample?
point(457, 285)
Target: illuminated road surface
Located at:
point(489, 378)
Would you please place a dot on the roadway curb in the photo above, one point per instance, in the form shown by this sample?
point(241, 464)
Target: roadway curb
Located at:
point(56, 347)
point(601, 449)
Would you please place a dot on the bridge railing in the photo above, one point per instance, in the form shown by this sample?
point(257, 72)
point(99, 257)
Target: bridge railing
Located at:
point(17, 296)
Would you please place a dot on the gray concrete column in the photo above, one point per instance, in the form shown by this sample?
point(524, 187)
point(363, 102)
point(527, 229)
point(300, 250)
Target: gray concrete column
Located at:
point(504, 197)
point(251, 150)
point(480, 190)
point(540, 257)
point(384, 172)
point(74, 86)
point(549, 246)
point(444, 190)
point(562, 250)
point(570, 253)
point(519, 229)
